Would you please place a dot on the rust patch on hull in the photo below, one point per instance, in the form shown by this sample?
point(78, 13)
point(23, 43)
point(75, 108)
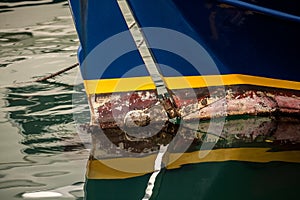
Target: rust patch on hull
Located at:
point(200, 104)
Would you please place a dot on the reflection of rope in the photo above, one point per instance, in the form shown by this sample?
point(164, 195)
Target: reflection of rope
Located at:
point(158, 165)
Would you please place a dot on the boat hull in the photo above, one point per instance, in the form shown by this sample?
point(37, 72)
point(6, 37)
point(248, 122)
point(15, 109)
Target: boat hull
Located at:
point(241, 47)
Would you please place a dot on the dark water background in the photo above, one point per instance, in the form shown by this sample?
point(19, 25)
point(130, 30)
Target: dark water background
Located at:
point(39, 146)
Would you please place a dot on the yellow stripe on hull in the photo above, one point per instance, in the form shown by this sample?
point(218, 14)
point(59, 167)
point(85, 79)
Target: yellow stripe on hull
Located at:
point(99, 169)
point(146, 83)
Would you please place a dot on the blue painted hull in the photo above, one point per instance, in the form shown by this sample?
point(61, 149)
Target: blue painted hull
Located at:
point(250, 39)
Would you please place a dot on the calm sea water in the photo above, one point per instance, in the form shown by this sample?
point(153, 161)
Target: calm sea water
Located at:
point(39, 146)
point(41, 155)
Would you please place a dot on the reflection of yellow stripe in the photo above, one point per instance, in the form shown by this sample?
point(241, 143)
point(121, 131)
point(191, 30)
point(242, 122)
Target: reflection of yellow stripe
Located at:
point(145, 83)
point(106, 169)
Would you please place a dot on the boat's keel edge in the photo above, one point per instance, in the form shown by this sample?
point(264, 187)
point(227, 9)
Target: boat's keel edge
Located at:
point(143, 107)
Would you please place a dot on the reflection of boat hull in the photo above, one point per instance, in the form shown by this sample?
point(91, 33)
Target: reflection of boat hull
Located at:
point(251, 139)
point(103, 168)
point(252, 153)
point(222, 180)
point(260, 132)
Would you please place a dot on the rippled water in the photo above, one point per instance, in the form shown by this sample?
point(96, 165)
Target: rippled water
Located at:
point(40, 149)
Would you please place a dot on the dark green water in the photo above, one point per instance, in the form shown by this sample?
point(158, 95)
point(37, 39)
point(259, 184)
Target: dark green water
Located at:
point(40, 149)
point(224, 180)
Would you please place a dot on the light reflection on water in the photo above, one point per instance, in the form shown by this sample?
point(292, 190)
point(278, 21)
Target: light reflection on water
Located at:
point(21, 43)
point(40, 149)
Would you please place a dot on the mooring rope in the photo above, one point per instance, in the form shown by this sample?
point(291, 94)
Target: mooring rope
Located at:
point(56, 73)
point(44, 78)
